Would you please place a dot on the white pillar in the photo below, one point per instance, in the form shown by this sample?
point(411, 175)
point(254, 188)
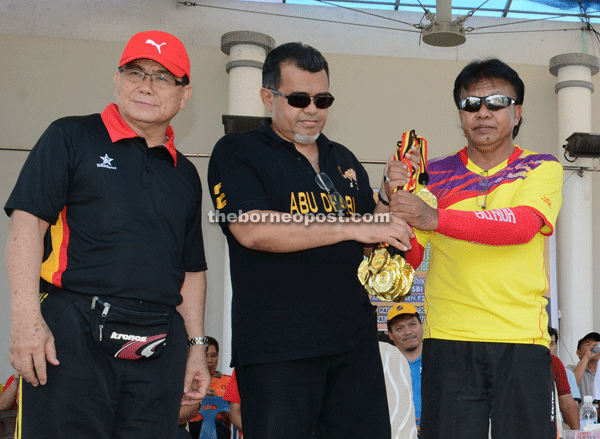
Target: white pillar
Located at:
point(574, 228)
point(247, 52)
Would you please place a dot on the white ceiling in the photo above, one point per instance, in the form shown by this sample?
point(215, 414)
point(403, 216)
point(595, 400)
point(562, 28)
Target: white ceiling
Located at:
point(566, 10)
point(330, 28)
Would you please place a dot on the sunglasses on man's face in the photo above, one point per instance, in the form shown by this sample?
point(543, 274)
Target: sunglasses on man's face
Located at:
point(302, 100)
point(472, 104)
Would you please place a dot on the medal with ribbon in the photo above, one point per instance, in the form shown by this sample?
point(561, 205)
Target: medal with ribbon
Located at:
point(419, 178)
point(385, 273)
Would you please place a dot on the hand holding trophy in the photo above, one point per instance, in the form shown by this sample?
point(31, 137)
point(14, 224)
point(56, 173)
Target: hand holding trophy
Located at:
point(386, 274)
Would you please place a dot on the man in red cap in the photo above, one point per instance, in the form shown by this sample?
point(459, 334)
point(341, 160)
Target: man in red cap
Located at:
point(106, 262)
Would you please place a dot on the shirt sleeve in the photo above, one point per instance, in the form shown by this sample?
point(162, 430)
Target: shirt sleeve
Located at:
point(542, 191)
point(507, 226)
point(573, 385)
point(415, 255)
point(234, 181)
point(560, 377)
point(367, 196)
point(231, 393)
point(43, 182)
point(194, 258)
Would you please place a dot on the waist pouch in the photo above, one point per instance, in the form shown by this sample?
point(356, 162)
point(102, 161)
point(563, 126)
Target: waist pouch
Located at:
point(129, 334)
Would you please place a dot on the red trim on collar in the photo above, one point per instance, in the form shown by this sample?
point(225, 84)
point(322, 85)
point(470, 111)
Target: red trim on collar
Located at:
point(118, 129)
point(515, 154)
point(464, 156)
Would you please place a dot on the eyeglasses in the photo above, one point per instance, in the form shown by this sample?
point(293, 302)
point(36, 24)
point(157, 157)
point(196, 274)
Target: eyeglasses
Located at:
point(472, 104)
point(302, 100)
point(337, 200)
point(483, 190)
point(160, 80)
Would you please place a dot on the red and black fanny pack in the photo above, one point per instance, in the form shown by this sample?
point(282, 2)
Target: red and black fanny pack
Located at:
point(123, 328)
point(129, 334)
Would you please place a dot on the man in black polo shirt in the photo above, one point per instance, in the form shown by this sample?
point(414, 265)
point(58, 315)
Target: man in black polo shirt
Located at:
point(109, 213)
point(304, 332)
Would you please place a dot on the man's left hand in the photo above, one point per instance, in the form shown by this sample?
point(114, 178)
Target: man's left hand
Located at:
point(413, 210)
point(197, 378)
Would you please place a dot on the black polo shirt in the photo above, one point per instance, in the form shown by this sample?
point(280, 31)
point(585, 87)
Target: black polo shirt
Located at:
point(125, 218)
point(296, 305)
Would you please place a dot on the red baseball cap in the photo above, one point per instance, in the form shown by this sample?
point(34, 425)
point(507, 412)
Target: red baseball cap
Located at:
point(158, 46)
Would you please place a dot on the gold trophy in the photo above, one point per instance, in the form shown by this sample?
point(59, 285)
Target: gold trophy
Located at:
point(386, 274)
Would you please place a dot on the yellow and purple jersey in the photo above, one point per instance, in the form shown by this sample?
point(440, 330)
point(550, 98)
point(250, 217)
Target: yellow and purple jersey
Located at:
point(491, 293)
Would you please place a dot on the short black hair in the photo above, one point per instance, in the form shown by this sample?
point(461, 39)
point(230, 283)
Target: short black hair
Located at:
point(185, 80)
point(300, 55)
point(553, 332)
point(491, 68)
point(212, 342)
point(591, 336)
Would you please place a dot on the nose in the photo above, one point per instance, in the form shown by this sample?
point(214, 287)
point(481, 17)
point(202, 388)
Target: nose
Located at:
point(312, 108)
point(147, 81)
point(483, 111)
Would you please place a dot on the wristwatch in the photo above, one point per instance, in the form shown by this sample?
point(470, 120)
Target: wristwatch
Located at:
point(197, 340)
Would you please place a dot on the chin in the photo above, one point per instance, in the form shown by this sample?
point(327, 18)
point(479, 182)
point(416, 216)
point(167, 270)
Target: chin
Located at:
point(306, 139)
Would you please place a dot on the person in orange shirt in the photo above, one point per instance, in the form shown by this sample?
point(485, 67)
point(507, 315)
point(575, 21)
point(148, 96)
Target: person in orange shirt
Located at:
point(218, 385)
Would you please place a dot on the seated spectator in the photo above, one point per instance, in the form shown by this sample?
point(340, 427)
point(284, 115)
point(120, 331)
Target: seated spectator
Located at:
point(585, 370)
point(218, 385)
point(406, 331)
point(570, 375)
point(235, 408)
point(568, 407)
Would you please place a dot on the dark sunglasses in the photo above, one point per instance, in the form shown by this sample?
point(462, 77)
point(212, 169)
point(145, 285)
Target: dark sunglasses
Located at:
point(302, 100)
point(472, 104)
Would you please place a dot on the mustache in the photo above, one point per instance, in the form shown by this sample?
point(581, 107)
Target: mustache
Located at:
point(310, 119)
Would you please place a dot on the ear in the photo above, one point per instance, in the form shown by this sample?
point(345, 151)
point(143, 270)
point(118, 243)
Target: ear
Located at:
point(267, 98)
point(518, 113)
point(185, 96)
